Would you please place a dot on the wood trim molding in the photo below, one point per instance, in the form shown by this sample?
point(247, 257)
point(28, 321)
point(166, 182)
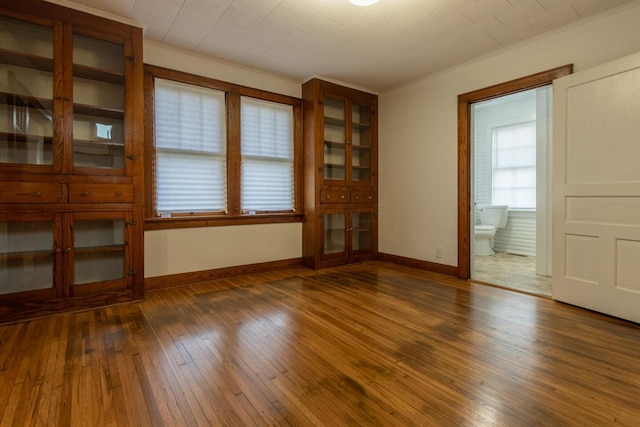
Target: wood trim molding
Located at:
point(191, 278)
point(464, 150)
point(221, 221)
point(420, 264)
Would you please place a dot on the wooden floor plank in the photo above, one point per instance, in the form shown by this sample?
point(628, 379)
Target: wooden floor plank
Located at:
point(373, 344)
point(251, 372)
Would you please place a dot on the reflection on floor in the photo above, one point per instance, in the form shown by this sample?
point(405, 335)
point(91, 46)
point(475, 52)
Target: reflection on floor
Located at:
point(513, 271)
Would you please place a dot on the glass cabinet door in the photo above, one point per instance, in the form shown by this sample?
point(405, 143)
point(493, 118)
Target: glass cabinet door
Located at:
point(26, 93)
point(98, 104)
point(361, 238)
point(98, 250)
point(26, 255)
point(334, 233)
point(335, 153)
point(360, 142)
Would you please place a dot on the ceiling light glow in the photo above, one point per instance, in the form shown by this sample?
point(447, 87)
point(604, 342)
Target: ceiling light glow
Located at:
point(363, 2)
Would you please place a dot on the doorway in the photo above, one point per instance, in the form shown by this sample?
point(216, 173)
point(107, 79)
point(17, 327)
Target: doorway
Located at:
point(510, 144)
point(466, 215)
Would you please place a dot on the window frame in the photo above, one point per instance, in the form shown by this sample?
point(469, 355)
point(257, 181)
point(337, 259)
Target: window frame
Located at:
point(234, 214)
point(263, 159)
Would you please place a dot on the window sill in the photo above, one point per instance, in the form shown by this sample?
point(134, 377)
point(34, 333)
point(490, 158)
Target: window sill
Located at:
point(219, 221)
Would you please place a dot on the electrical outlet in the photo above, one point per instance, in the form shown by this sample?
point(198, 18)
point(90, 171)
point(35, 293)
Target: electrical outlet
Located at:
point(438, 252)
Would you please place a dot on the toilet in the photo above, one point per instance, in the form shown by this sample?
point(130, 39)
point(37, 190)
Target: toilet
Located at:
point(491, 217)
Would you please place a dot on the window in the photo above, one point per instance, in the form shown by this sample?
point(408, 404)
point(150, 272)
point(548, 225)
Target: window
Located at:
point(190, 142)
point(514, 165)
point(267, 156)
point(219, 154)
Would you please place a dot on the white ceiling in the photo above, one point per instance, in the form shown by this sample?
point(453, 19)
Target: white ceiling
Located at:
point(377, 47)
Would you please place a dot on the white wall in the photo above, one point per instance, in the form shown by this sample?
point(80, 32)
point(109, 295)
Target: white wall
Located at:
point(196, 249)
point(418, 129)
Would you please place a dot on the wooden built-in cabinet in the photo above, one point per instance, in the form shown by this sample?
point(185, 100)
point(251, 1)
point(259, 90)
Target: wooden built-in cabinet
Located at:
point(340, 126)
point(71, 145)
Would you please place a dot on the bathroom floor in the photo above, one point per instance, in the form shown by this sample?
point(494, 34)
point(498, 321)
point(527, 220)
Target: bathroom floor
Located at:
point(512, 271)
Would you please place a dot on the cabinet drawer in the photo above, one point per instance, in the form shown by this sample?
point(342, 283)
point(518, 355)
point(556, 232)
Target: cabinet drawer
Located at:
point(96, 193)
point(28, 192)
point(334, 196)
point(363, 197)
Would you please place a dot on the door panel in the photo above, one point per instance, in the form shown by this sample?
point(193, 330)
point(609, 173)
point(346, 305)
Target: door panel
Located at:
point(335, 143)
point(361, 231)
point(27, 254)
point(596, 186)
point(99, 253)
point(334, 234)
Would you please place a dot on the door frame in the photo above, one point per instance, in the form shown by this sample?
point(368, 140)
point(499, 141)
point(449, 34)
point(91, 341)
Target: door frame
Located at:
point(464, 149)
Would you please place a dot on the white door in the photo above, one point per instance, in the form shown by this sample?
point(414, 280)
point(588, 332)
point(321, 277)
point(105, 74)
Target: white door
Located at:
point(596, 189)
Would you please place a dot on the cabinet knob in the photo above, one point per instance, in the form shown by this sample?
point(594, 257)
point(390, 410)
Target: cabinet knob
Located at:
point(67, 250)
point(118, 193)
point(328, 196)
point(357, 197)
point(343, 197)
point(38, 194)
point(370, 197)
point(85, 193)
point(57, 250)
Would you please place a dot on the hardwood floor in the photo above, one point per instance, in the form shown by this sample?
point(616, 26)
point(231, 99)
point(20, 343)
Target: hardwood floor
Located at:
point(372, 344)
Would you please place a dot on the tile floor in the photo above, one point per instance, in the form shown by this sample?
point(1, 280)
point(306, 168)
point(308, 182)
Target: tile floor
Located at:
point(512, 271)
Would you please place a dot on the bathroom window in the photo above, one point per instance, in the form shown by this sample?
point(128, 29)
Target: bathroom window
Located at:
point(514, 165)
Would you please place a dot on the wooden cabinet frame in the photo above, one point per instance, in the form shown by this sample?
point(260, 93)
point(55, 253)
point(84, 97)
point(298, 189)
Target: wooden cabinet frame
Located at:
point(64, 192)
point(348, 196)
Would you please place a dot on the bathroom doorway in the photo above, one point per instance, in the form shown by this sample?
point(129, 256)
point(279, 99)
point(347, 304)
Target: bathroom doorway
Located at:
point(510, 146)
point(504, 159)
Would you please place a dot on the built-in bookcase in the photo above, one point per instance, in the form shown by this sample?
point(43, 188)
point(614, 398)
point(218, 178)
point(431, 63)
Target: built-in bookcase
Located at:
point(341, 174)
point(71, 225)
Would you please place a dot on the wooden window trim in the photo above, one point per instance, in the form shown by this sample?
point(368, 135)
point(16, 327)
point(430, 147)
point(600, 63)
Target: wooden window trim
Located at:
point(234, 214)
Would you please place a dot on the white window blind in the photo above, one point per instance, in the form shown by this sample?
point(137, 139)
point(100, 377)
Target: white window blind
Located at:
point(514, 165)
point(267, 156)
point(190, 148)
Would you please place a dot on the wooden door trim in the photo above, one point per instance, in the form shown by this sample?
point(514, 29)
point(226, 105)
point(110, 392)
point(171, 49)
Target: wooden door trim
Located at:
point(464, 149)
